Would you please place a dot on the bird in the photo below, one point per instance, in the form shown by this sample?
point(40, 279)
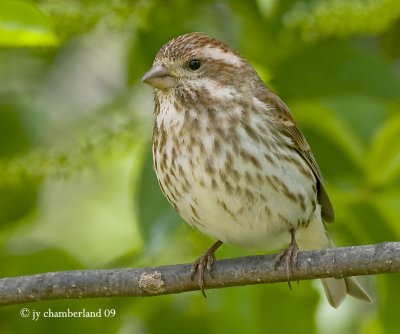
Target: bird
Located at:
point(232, 161)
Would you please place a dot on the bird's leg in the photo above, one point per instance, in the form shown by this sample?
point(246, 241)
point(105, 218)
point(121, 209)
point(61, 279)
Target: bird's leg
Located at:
point(206, 261)
point(289, 255)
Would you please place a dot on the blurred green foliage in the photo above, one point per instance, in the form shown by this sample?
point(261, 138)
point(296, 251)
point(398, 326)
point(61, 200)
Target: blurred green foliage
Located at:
point(77, 188)
point(22, 24)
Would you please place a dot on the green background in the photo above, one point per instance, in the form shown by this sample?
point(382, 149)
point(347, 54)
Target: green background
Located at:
point(77, 190)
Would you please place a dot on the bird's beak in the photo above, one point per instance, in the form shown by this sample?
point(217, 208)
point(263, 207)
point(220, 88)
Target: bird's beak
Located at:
point(160, 77)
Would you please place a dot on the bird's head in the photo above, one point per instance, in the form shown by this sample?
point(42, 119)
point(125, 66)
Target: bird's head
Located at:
point(197, 63)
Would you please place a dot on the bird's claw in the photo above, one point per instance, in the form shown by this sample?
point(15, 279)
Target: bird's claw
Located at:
point(289, 256)
point(203, 263)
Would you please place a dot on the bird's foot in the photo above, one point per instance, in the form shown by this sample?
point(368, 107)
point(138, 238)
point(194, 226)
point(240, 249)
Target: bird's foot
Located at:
point(289, 257)
point(203, 263)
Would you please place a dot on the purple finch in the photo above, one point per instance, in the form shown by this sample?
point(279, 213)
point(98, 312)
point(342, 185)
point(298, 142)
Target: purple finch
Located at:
point(231, 160)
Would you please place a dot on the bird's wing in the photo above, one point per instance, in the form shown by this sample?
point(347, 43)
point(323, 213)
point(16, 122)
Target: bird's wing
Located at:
point(290, 128)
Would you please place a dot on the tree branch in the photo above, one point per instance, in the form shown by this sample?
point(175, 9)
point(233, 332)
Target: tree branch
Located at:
point(337, 262)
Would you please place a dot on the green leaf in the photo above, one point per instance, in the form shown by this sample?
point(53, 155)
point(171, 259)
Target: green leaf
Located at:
point(335, 68)
point(388, 204)
point(363, 113)
point(384, 156)
point(317, 116)
point(23, 24)
point(342, 18)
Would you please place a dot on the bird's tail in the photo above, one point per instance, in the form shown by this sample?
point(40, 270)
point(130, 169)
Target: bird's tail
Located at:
point(315, 237)
point(336, 290)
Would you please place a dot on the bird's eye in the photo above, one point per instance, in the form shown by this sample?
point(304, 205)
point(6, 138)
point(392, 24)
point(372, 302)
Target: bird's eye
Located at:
point(194, 64)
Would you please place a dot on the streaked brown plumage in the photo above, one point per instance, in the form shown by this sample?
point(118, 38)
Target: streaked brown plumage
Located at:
point(231, 160)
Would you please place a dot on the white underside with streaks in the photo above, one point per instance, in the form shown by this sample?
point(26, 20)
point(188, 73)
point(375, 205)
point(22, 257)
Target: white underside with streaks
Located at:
point(241, 220)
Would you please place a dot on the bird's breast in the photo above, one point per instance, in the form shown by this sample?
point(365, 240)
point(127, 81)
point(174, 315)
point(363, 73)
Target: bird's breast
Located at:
point(229, 178)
